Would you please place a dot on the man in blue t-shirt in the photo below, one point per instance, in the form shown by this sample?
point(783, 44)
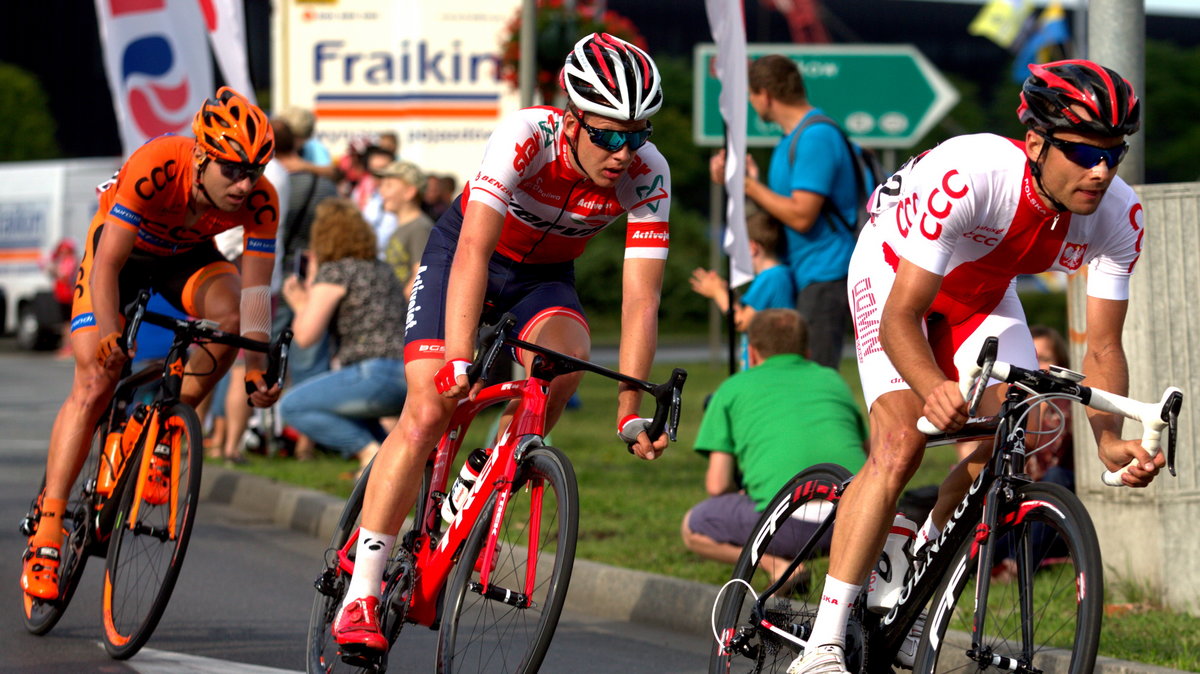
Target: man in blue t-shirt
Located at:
point(817, 248)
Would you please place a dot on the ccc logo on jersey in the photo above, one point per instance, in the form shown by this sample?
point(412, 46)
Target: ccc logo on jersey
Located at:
point(146, 187)
point(260, 203)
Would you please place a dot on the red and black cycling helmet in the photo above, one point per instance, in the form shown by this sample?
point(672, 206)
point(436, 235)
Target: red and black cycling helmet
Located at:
point(1053, 89)
point(610, 77)
point(230, 128)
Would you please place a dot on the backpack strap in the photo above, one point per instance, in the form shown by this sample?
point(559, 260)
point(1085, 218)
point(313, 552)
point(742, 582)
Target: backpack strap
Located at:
point(827, 206)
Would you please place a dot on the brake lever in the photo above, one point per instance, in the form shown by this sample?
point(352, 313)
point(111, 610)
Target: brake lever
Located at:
point(1171, 416)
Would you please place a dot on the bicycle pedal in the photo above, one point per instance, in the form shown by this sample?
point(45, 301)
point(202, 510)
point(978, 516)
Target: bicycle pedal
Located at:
point(371, 661)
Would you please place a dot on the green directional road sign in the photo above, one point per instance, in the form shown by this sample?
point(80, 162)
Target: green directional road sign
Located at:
point(884, 96)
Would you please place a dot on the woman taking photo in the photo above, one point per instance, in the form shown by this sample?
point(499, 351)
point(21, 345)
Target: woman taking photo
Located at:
point(357, 299)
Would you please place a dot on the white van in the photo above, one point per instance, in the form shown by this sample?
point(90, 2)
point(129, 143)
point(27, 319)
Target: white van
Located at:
point(41, 202)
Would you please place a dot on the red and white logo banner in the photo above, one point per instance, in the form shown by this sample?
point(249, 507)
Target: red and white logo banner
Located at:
point(158, 64)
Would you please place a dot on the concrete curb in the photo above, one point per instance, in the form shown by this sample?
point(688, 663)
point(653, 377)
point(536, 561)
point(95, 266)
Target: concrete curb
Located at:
point(598, 589)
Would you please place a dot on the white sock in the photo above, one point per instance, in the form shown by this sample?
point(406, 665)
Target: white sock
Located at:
point(836, 600)
point(370, 560)
point(929, 532)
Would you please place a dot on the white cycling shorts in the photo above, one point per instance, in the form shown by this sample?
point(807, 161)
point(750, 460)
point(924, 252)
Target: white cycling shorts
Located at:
point(954, 346)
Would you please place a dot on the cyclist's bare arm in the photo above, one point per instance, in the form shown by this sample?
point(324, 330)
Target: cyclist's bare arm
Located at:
point(468, 282)
point(1106, 368)
point(114, 248)
point(640, 297)
point(907, 347)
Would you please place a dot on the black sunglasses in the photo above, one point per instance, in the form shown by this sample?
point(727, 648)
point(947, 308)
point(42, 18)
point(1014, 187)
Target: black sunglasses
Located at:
point(1086, 155)
point(611, 140)
point(238, 172)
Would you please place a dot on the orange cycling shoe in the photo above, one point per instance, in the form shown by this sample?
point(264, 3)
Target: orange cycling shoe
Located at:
point(158, 482)
point(357, 626)
point(39, 577)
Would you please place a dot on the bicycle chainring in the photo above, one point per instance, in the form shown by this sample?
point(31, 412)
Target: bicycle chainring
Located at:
point(397, 593)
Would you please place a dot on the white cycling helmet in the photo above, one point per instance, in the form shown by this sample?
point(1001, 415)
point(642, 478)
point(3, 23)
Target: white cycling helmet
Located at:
point(607, 76)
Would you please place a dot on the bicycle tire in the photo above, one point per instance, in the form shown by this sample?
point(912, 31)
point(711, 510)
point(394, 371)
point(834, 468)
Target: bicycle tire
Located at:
point(490, 635)
point(322, 651)
point(796, 611)
point(1055, 584)
point(41, 616)
point(143, 563)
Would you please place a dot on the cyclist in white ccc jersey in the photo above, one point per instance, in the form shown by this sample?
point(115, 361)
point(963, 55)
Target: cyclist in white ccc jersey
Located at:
point(550, 180)
point(934, 273)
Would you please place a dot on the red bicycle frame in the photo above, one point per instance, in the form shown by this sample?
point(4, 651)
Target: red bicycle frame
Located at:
point(435, 560)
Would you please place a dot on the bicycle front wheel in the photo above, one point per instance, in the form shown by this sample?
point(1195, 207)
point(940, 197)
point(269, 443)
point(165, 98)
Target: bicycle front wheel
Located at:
point(147, 548)
point(1046, 616)
point(41, 616)
point(507, 626)
point(807, 500)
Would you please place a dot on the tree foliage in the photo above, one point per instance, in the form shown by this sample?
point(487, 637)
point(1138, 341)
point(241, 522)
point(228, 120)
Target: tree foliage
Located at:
point(28, 129)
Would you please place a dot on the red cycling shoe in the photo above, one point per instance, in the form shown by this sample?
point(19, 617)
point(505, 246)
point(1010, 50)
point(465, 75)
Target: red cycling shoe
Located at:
point(357, 626)
point(39, 576)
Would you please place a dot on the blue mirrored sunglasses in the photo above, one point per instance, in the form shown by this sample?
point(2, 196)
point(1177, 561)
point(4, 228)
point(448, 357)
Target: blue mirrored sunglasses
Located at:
point(1086, 155)
point(611, 140)
point(238, 172)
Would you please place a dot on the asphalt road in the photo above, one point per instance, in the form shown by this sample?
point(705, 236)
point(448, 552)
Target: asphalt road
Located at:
point(243, 597)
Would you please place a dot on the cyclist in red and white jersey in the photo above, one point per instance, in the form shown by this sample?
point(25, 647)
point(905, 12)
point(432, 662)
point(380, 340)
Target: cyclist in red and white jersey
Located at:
point(934, 274)
point(154, 229)
point(549, 181)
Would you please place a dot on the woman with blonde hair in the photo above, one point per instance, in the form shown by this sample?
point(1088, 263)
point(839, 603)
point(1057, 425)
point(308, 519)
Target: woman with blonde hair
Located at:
point(354, 296)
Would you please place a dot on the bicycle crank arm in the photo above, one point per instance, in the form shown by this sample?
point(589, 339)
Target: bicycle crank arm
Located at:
point(495, 593)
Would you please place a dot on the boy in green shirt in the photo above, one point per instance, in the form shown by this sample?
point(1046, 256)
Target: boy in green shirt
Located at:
point(762, 426)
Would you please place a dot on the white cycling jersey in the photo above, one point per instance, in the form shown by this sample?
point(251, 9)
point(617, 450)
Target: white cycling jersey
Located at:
point(968, 211)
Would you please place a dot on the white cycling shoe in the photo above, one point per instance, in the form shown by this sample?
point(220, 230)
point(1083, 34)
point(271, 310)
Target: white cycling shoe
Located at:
point(827, 659)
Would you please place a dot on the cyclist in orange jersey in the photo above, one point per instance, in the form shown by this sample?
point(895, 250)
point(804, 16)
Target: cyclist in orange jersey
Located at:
point(154, 229)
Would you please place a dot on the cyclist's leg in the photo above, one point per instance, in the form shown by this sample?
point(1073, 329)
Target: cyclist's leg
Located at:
point(868, 508)
point(565, 331)
point(214, 292)
point(91, 389)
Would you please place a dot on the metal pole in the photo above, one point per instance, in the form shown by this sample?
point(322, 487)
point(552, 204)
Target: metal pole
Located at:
point(1117, 40)
point(527, 71)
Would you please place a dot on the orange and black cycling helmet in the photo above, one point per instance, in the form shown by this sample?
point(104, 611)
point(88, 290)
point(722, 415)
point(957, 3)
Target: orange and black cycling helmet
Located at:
point(231, 128)
point(1054, 92)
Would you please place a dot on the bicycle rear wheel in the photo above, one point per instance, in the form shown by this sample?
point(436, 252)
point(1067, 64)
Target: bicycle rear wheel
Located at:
point(145, 554)
point(41, 616)
point(1047, 617)
point(809, 496)
point(324, 656)
point(508, 627)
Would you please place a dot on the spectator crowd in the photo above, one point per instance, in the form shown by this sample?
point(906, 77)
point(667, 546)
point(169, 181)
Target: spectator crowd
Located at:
point(352, 229)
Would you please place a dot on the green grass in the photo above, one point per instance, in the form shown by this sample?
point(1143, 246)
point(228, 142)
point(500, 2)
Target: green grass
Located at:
point(631, 509)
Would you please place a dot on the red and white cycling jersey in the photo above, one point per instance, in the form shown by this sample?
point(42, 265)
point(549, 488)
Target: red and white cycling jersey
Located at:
point(968, 211)
point(550, 209)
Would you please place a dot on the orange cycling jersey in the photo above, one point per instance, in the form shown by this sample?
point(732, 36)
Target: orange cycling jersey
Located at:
point(150, 196)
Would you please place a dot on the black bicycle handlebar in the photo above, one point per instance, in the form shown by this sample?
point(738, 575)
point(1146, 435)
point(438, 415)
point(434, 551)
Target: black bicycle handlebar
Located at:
point(668, 396)
point(202, 330)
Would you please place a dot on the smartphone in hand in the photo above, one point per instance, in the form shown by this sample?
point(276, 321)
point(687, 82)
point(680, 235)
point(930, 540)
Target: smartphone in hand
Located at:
point(300, 266)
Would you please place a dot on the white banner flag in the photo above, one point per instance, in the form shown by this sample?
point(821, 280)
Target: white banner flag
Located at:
point(226, 23)
point(158, 64)
point(729, 33)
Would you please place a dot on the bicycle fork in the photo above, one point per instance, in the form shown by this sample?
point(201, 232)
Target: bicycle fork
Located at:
point(984, 548)
point(152, 439)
